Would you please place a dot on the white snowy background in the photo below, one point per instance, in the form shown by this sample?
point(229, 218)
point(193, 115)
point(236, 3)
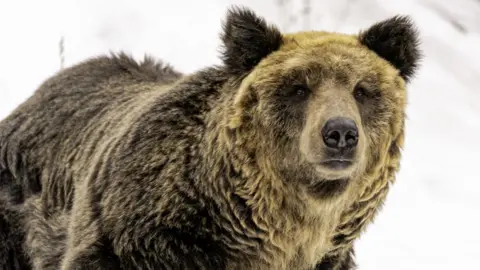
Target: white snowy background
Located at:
point(431, 219)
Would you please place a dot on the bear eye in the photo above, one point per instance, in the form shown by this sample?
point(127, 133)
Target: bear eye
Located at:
point(300, 91)
point(361, 94)
point(296, 92)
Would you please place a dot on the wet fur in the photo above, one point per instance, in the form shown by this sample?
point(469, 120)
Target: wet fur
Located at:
point(117, 164)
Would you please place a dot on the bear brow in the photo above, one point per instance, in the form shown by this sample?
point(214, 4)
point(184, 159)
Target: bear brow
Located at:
point(302, 75)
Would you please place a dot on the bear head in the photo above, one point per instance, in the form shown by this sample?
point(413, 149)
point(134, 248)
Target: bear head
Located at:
point(318, 109)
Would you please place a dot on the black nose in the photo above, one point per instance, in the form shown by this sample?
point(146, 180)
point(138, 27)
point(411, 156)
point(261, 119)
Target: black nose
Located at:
point(340, 133)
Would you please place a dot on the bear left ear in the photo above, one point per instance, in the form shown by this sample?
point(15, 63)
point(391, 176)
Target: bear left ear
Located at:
point(246, 40)
point(396, 40)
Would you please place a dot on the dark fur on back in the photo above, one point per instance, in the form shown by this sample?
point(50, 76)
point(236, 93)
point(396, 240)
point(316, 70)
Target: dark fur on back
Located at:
point(67, 98)
point(61, 110)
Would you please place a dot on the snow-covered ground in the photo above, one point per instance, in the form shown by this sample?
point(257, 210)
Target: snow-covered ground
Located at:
point(431, 219)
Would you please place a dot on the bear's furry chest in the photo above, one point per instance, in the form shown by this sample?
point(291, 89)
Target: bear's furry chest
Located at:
point(301, 247)
point(304, 256)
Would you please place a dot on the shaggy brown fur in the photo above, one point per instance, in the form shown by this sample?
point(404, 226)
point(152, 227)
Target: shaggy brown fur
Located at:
point(113, 164)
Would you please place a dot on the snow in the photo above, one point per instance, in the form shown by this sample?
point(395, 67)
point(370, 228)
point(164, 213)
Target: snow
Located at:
point(431, 216)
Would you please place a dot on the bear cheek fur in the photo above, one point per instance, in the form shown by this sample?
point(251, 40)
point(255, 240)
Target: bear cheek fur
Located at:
point(262, 130)
point(387, 130)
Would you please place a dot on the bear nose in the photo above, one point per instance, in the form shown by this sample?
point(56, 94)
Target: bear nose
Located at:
point(340, 133)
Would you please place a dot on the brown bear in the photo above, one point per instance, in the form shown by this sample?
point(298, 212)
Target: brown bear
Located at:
point(277, 159)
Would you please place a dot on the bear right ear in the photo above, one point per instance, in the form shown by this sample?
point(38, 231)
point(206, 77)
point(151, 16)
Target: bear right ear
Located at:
point(246, 40)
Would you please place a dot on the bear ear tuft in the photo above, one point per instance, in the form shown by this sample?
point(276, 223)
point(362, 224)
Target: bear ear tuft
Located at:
point(246, 40)
point(396, 40)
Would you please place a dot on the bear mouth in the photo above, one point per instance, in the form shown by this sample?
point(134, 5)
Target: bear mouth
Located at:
point(334, 170)
point(337, 164)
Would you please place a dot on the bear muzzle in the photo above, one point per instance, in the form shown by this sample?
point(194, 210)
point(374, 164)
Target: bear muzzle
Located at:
point(340, 137)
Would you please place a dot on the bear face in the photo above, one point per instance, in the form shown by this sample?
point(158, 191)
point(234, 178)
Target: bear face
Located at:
point(325, 107)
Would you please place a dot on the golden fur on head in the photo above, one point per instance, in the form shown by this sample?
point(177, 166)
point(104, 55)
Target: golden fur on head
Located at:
point(283, 135)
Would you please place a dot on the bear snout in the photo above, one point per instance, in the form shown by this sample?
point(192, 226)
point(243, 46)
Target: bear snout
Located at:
point(337, 146)
point(340, 133)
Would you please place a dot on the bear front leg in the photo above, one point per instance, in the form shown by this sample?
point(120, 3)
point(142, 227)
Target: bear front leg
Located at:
point(343, 261)
point(94, 258)
point(158, 248)
point(172, 249)
point(87, 246)
point(87, 249)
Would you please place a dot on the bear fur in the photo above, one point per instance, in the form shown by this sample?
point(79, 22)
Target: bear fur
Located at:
point(114, 164)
